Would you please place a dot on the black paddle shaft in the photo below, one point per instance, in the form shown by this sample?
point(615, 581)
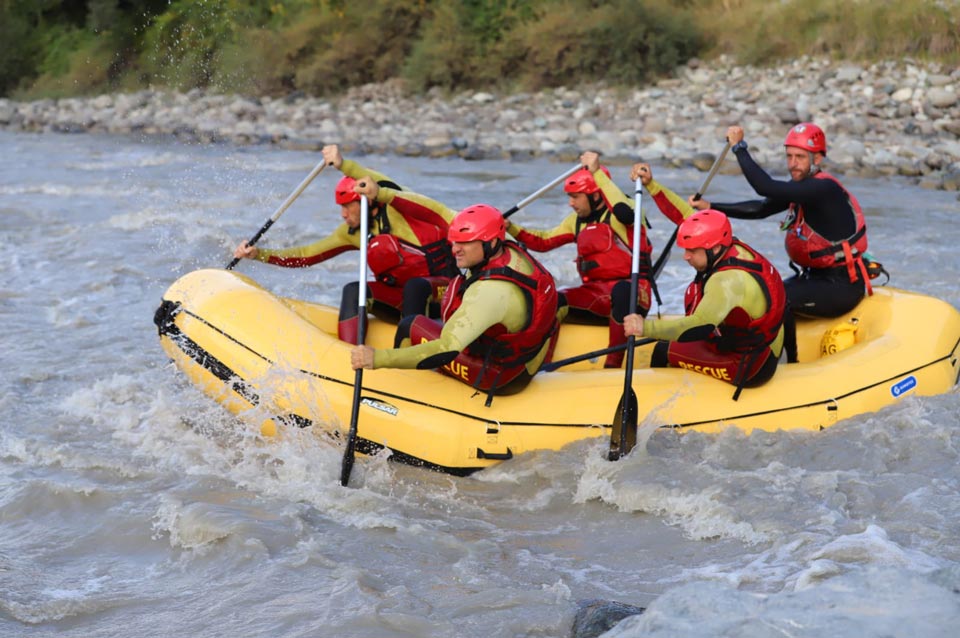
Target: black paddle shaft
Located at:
point(665, 254)
point(253, 240)
point(553, 365)
point(346, 466)
point(622, 441)
point(292, 197)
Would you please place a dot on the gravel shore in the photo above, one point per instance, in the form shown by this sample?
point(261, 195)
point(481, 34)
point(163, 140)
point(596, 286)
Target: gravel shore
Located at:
point(883, 119)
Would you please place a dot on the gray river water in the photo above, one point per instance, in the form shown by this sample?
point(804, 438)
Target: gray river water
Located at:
point(131, 505)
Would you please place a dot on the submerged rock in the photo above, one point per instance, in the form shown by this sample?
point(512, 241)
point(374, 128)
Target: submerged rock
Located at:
point(596, 617)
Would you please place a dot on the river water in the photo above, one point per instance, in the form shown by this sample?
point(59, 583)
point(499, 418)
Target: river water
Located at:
point(131, 505)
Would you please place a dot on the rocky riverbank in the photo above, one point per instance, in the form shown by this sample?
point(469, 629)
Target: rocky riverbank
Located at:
point(889, 118)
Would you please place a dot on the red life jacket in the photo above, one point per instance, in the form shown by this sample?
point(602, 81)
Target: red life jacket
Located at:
point(602, 255)
point(395, 261)
point(809, 249)
point(738, 332)
point(511, 350)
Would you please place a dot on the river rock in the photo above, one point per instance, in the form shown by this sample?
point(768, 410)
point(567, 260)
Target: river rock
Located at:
point(595, 617)
point(848, 74)
point(864, 109)
point(703, 161)
point(942, 97)
point(951, 181)
point(902, 95)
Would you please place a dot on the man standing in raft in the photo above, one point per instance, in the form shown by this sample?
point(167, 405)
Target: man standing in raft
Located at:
point(499, 318)
point(408, 245)
point(602, 227)
point(733, 328)
point(826, 232)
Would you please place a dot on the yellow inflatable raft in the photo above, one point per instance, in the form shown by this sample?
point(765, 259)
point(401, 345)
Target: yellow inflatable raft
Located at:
point(278, 362)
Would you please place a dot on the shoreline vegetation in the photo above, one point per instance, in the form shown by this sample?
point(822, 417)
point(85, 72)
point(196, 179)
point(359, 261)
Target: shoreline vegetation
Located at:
point(633, 79)
point(322, 48)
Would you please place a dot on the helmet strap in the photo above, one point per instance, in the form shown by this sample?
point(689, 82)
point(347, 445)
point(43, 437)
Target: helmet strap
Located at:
point(489, 250)
point(713, 256)
point(597, 206)
point(378, 215)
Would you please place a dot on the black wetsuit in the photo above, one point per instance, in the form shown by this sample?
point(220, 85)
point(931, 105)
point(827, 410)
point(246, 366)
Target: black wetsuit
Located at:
point(819, 292)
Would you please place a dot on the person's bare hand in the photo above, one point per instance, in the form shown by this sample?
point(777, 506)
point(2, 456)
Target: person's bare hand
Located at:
point(590, 160)
point(367, 186)
point(361, 357)
point(698, 204)
point(332, 156)
point(642, 171)
point(245, 251)
point(633, 325)
point(734, 135)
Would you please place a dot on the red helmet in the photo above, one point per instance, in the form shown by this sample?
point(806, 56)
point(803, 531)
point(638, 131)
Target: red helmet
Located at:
point(705, 229)
point(582, 182)
point(478, 222)
point(344, 193)
point(807, 136)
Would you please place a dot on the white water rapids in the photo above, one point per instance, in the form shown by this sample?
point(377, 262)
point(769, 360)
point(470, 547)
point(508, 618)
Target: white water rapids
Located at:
point(131, 505)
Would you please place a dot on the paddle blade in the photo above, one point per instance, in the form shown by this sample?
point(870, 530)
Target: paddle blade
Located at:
point(346, 464)
point(623, 437)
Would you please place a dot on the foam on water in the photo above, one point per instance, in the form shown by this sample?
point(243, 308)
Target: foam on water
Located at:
point(297, 466)
point(872, 603)
point(62, 191)
point(134, 505)
point(147, 159)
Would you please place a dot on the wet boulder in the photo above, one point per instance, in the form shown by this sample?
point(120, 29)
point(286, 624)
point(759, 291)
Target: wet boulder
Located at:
point(596, 617)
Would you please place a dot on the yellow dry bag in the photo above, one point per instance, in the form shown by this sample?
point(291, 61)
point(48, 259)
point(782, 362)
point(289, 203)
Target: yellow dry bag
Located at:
point(839, 337)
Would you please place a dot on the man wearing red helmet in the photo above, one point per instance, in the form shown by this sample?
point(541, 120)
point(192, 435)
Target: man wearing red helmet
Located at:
point(407, 252)
point(826, 233)
point(499, 321)
point(602, 227)
point(733, 324)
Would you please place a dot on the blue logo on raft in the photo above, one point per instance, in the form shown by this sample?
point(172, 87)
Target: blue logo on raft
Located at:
point(900, 388)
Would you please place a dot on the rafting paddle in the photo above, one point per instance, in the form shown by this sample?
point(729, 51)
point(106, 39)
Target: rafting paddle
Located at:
point(665, 255)
point(280, 211)
point(623, 435)
point(553, 365)
point(539, 193)
point(346, 465)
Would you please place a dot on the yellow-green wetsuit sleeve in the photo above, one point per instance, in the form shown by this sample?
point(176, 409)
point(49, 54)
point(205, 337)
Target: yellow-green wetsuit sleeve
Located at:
point(485, 304)
point(356, 171)
point(340, 240)
point(725, 290)
point(673, 207)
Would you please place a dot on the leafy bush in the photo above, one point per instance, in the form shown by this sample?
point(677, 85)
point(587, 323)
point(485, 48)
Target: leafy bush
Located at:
point(184, 47)
point(20, 50)
point(647, 39)
point(326, 46)
point(322, 49)
point(77, 62)
point(366, 42)
point(446, 54)
point(562, 42)
point(183, 43)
